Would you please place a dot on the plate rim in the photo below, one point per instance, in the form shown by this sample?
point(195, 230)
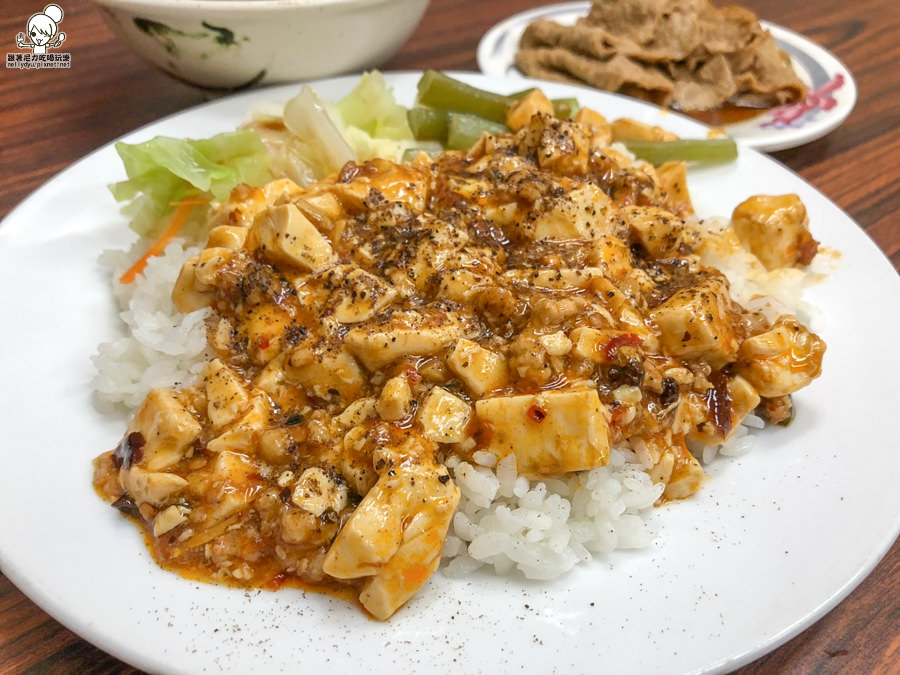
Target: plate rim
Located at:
point(20, 577)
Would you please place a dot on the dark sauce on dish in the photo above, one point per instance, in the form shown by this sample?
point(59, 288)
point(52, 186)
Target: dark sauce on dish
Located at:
point(725, 114)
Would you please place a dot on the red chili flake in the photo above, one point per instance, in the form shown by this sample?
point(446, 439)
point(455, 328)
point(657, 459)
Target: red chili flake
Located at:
point(619, 341)
point(617, 413)
point(482, 434)
point(263, 343)
point(536, 414)
point(127, 505)
point(130, 451)
point(412, 375)
point(718, 400)
point(807, 250)
point(277, 581)
point(349, 172)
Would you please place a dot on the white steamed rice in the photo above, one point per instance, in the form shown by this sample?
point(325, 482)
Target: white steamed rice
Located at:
point(161, 347)
point(771, 292)
point(544, 528)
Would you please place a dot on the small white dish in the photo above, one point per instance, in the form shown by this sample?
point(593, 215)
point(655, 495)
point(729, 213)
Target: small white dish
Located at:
point(774, 540)
point(235, 44)
point(832, 90)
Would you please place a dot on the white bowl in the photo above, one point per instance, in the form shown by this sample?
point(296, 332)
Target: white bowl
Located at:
point(231, 44)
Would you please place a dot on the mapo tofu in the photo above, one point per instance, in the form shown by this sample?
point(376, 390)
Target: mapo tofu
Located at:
point(539, 296)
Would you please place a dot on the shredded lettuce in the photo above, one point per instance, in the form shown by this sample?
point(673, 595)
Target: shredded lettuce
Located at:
point(309, 138)
point(317, 138)
point(367, 147)
point(373, 123)
point(164, 171)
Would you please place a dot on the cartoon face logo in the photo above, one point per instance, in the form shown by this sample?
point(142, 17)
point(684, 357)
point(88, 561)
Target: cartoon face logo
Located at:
point(42, 29)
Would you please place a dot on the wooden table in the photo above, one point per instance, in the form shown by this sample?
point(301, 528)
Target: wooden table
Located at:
point(50, 118)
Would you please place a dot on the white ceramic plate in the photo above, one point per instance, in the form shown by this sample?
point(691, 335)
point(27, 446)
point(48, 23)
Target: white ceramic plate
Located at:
point(775, 539)
point(830, 100)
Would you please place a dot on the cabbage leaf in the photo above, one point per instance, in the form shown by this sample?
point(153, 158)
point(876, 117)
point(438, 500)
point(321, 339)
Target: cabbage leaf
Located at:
point(371, 106)
point(165, 171)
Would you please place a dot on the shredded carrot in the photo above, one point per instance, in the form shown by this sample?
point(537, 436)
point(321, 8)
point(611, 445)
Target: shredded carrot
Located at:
point(190, 200)
point(179, 218)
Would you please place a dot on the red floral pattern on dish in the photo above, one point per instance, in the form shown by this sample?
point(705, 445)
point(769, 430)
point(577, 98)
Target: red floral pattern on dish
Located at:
point(797, 115)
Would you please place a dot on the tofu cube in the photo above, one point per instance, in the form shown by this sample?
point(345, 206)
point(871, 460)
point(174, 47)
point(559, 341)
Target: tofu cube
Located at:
point(396, 399)
point(580, 214)
point(410, 567)
point(564, 147)
point(627, 129)
point(151, 487)
point(782, 360)
point(360, 295)
point(194, 288)
point(661, 233)
point(231, 237)
point(684, 474)
point(246, 430)
point(521, 112)
point(328, 371)
point(480, 369)
point(444, 417)
point(611, 255)
point(317, 492)
point(168, 429)
point(591, 343)
point(775, 229)
point(358, 412)
point(285, 235)
point(373, 534)
point(696, 322)
point(233, 472)
point(550, 432)
point(744, 399)
point(396, 534)
point(403, 334)
point(557, 278)
point(673, 179)
point(587, 343)
point(460, 282)
point(601, 132)
point(226, 396)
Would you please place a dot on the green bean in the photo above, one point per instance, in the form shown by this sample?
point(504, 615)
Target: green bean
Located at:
point(521, 94)
point(464, 130)
point(428, 124)
point(564, 108)
point(687, 150)
point(458, 131)
point(437, 90)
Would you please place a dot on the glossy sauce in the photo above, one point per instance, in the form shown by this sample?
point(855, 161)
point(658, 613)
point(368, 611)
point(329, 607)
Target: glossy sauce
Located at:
point(726, 114)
